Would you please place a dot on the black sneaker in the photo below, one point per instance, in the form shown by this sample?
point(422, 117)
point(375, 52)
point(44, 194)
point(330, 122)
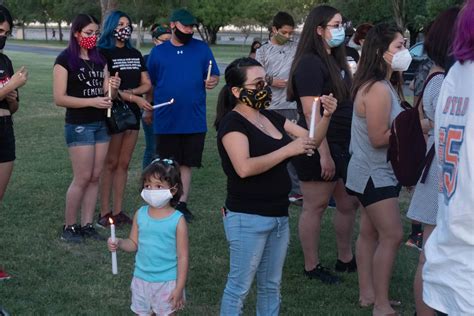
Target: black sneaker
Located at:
point(349, 267)
point(183, 208)
point(72, 234)
point(88, 231)
point(323, 274)
point(103, 221)
point(122, 219)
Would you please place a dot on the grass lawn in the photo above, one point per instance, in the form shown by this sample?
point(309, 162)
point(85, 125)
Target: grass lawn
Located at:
point(52, 277)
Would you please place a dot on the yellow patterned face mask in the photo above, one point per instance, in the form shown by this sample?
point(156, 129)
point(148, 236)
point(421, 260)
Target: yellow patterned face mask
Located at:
point(256, 98)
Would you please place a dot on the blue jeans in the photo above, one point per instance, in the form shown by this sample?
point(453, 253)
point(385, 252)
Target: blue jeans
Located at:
point(150, 145)
point(257, 245)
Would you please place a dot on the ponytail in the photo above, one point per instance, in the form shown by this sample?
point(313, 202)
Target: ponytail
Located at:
point(226, 101)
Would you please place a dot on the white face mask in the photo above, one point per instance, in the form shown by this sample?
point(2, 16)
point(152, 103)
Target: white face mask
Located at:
point(401, 60)
point(157, 198)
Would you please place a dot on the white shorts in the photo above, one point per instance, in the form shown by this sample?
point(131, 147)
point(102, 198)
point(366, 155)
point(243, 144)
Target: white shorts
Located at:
point(151, 297)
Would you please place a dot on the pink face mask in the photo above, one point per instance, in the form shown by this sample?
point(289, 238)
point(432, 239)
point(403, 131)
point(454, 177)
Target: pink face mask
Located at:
point(88, 42)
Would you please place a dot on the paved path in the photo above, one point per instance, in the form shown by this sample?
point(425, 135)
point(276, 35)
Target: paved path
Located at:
point(54, 51)
point(50, 51)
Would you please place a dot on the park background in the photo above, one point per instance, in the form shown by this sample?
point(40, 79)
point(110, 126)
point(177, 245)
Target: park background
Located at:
point(55, 278)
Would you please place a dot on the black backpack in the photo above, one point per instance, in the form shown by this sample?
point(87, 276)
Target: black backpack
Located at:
point(407, 145)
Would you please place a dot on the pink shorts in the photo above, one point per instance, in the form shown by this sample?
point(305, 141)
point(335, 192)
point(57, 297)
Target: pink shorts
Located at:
point(151, 297)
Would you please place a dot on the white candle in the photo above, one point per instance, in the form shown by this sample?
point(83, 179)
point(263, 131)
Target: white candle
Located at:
point(312, 122)
point(209, 70)
point(109, 112)
point(114, 253)
point(163, 104)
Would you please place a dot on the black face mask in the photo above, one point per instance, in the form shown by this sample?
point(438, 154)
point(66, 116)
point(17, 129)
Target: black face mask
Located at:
point(183, 38)
point(3, 40)
point(258, 99)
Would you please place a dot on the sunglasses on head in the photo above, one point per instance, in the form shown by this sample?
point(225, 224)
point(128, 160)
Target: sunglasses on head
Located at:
point(166, 161)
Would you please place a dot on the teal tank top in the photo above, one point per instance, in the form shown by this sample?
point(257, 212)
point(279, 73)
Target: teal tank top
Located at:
point(156, 259)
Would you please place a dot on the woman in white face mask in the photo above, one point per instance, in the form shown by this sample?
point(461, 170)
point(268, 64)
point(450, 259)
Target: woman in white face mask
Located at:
point(370, 177)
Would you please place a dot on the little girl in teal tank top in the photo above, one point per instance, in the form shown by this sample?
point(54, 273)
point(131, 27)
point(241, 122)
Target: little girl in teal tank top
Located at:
point(160, 238)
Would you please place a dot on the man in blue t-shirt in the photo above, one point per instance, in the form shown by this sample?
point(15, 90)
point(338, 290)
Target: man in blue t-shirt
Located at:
point(178, 70)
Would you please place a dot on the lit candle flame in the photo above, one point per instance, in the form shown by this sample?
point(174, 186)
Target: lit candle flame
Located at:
point(172, 100)
point(111, 221)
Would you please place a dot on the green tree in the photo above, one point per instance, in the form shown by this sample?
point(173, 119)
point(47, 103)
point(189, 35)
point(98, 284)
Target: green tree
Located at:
point(23, 12)
point(434, 7)
point(145, 10)
point(212, 15)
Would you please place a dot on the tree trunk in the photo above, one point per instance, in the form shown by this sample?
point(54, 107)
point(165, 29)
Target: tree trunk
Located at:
point(46, 31)
point(200, 31)
point(139, 35)
point(399, 13)
point(60, 31)
point(23, 30)
point(106, 6)
point(213, 35)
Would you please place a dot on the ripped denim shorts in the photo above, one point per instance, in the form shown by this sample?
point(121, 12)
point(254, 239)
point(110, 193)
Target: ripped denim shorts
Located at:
point(87, 134)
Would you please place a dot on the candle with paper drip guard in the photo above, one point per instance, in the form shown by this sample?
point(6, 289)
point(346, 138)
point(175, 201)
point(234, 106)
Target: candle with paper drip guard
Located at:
point(312, 122)
point(163, 104)
point(114, 253)
point(209, 70)
point(109, 110)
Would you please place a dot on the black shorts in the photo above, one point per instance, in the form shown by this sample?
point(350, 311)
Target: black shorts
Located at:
point(308, 168)
point(7, 139)
point(186, 149)
point(138, 114)
point(373, 195)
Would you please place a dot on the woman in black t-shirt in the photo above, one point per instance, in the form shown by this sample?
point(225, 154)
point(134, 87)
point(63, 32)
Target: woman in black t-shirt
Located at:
point(115, 45)
point(320, 68)
point(9, 84)
point(254, 147)
point(80, 83)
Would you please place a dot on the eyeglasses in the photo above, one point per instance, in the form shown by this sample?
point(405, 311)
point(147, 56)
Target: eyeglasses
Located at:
point(337, 26)
point(259, 85)
point(89, 34)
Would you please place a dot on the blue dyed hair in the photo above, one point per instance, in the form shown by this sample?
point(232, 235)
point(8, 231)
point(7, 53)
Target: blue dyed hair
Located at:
point(73, 49)
point(107, 38)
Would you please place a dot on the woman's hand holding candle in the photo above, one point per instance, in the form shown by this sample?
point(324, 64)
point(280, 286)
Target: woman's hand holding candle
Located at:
point(329, 104)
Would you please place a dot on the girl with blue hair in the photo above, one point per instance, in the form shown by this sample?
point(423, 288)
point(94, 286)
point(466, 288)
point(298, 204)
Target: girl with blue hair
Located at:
point(122, 57)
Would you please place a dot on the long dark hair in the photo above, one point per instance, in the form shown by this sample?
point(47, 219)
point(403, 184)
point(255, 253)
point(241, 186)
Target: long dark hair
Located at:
point(440, 36)
point(312, 43)
point(73, 49)
point(372, 66)
point(235, 76)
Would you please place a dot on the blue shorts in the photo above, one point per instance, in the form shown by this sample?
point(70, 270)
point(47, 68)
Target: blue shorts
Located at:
point(86, 134)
